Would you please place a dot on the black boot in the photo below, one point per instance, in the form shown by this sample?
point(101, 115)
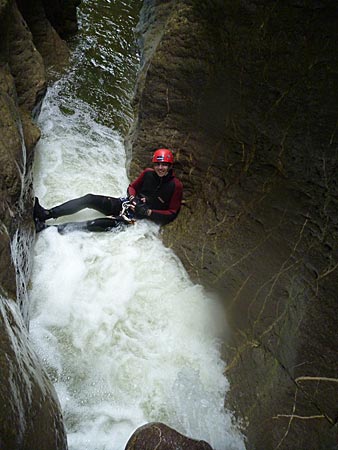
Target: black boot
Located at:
point(40, 213)
point(39, 225)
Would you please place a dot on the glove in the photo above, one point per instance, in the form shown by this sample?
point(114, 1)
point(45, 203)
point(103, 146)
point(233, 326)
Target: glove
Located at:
point(142, 210)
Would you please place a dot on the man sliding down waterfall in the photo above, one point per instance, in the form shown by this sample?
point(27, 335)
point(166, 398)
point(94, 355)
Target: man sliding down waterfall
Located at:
point(155, 195)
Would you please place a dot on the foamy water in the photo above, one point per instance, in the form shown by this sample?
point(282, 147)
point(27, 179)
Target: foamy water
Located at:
point(126, 337)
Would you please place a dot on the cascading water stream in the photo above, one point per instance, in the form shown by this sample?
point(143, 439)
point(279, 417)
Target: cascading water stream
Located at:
point(124, 334)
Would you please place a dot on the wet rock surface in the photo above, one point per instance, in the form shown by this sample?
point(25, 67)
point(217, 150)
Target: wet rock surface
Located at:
point(245, 93)
point(157, 436)
point(30, 417)
point(30, 412)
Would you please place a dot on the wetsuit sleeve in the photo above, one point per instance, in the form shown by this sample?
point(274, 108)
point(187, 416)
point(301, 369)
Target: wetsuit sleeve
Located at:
point(135, 187)
point(168, 215)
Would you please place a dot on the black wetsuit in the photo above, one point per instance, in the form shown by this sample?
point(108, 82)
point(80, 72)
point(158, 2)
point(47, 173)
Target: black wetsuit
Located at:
point(163, 197)
point(101, 224)
point(163, 194)
point(109, 206)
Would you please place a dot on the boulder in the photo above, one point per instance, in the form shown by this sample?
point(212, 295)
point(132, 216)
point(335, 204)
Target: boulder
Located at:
point(157, 436)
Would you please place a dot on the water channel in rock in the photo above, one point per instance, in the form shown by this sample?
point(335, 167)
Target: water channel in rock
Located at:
point(124, 334)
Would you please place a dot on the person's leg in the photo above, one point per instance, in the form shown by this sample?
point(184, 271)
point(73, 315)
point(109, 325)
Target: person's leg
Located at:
point(105, 205)
point(101, 224)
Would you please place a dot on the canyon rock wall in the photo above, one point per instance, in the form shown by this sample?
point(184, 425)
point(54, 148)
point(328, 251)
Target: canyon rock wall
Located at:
point(245, 93)
point(31, 51)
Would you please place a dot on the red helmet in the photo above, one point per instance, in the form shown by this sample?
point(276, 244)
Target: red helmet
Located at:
point(163, 155)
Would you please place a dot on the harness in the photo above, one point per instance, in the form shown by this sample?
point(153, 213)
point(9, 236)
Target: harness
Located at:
point(126, 214)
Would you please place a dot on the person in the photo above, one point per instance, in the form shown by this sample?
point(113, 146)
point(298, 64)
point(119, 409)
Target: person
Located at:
point(155, 195)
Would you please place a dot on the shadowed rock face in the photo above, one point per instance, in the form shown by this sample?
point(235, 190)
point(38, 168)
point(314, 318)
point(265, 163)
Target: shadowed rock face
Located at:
point(29, 415)
point(245, 93)
point(22, 85)
point(157, 436)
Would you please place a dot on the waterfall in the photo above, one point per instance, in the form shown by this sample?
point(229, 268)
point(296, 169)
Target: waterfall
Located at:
point(124, 334)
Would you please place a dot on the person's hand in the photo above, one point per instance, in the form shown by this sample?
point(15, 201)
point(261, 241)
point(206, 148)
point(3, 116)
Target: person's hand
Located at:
point(142, 210)
point(135, 200)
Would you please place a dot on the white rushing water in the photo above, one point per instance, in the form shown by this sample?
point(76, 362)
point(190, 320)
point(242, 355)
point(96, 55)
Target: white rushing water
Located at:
point(124, 334)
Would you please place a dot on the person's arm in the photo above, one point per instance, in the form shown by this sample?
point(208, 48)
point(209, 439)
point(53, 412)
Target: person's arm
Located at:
point(168, 215)
point(135, 187)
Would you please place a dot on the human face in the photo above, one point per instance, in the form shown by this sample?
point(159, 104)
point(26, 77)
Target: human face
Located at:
point(162, 169)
